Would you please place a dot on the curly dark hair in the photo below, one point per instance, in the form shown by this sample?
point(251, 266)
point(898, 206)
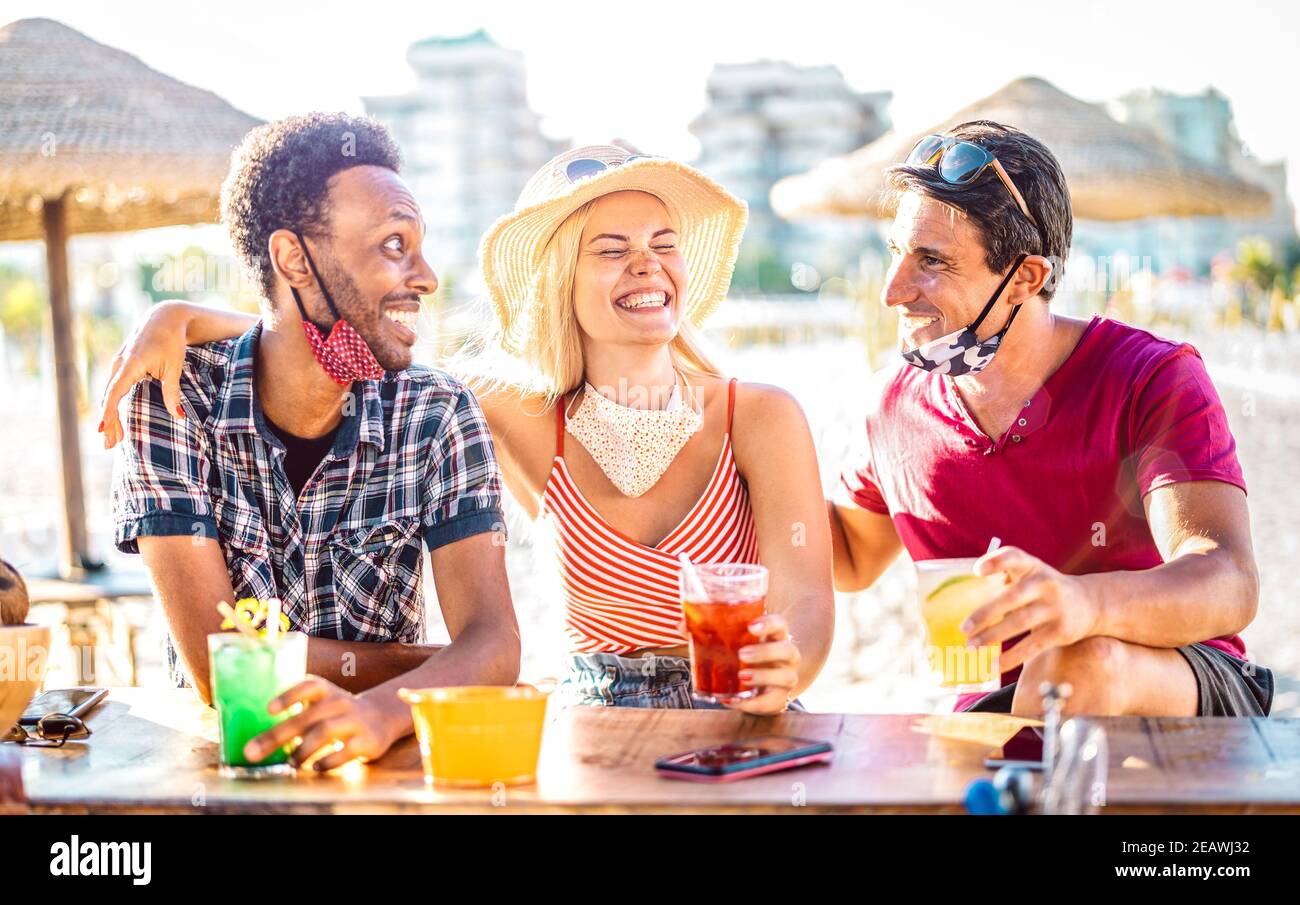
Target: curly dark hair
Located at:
point(1037, 174)
point(279, 174)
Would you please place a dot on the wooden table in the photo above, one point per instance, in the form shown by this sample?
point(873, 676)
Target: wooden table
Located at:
point(155, 751)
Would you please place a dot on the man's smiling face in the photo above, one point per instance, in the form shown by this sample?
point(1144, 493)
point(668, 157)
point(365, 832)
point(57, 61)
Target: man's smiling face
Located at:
point(938, 278)
point(373, 265)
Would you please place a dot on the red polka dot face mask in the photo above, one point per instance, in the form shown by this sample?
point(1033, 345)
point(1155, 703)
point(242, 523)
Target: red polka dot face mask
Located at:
point(343, 354)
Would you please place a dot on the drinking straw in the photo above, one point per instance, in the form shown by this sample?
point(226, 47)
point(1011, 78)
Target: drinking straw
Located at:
point(272, 618)
point(993, 545)
point(244, 628)
point(693, 583)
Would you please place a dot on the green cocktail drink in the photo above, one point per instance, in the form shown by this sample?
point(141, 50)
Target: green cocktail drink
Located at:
point(246, 674)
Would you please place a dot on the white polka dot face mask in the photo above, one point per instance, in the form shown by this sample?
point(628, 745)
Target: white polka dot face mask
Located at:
point(343, 354)
point(633, 447)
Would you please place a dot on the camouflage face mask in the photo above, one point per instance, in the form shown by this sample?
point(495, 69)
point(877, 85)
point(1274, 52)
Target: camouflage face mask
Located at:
point(961, 352)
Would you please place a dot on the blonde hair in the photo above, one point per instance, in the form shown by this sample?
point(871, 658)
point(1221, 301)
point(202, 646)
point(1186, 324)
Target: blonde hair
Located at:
point(552, 359)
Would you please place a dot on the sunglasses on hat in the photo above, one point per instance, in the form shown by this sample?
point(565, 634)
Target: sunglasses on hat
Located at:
point(586, 167)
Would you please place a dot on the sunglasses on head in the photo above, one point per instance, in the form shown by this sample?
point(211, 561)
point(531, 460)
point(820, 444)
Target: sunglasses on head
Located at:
point(52, 731)
point(961, 162)
point(586, 167)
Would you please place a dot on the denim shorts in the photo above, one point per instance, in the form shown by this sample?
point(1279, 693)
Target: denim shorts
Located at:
point(610, 680)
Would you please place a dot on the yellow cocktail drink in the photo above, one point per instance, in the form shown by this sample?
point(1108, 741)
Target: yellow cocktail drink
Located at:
point(478, 735)
point(949, 591)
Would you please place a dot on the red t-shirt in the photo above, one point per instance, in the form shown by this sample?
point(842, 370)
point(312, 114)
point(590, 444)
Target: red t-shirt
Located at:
point(1126, 413)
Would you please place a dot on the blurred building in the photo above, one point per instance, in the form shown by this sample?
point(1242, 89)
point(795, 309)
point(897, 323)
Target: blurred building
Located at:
point(1202, 126)
point(768, 119)
point(469, 143)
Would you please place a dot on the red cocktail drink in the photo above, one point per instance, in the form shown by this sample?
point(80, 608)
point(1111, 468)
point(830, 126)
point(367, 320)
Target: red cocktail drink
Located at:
point(718, 625)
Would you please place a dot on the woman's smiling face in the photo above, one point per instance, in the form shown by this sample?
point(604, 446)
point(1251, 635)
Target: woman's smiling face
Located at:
point(631, 275)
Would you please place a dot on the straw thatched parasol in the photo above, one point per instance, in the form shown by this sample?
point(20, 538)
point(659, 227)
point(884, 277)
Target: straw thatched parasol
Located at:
point(1116, 171)
point(94, 141)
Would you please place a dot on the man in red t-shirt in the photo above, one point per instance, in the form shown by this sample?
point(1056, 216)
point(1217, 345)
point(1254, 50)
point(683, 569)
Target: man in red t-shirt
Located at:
point(1098, 453)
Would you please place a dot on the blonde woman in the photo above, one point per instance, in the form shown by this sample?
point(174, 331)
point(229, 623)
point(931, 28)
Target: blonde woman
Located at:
point(621, 431)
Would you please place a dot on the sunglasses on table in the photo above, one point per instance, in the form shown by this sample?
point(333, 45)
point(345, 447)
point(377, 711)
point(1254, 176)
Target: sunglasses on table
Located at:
point(961, 162)
point(51, 731)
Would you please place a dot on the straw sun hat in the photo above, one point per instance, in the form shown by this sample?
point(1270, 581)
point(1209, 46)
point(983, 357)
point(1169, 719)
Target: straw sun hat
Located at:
point(712, 222)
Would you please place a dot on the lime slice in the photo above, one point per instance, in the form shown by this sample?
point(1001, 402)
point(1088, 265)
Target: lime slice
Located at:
point(969, 590)
point(948, 583)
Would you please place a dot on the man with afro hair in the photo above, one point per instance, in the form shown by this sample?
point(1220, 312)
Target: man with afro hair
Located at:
point(309, 460)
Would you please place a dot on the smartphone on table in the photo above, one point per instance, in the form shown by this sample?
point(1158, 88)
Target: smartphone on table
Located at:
point(749, 757)
point(73, 701)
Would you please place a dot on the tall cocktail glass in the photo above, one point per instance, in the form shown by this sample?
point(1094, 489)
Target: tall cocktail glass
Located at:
point(246, 674)
point(717, 622)
point(949, 591)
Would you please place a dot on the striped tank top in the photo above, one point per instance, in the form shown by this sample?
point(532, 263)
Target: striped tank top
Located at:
point(622, 595)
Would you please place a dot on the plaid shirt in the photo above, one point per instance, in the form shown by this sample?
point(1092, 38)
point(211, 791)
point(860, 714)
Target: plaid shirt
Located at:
point(412, 461)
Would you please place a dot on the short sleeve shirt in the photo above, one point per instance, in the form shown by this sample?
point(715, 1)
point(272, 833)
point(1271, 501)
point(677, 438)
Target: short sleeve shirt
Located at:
point(412, 466)
point(1126, 413)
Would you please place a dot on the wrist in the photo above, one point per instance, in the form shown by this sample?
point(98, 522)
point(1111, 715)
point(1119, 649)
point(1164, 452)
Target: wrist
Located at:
point(1096, 597)
point(392, 715)
point(175, 314)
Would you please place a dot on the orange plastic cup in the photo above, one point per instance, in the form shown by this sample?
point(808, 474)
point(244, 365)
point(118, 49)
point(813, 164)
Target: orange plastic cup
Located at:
point(478, 735)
